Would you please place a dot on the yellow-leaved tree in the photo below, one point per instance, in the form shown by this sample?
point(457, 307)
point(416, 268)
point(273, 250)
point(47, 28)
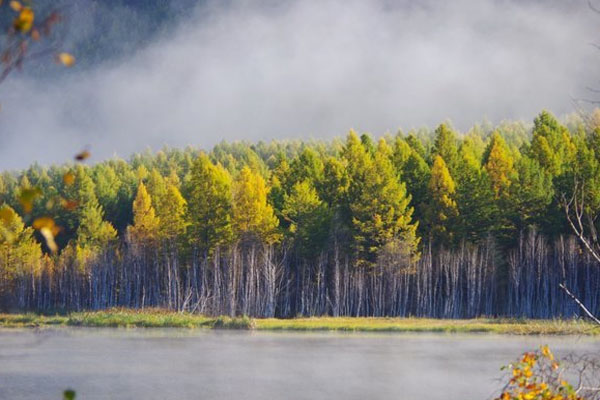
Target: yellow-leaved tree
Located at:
point(146, 225)
point(442, 208)
point(499, 165)
point(253, 216)
point(172, 214)
point(210, 206)
point(20, 253)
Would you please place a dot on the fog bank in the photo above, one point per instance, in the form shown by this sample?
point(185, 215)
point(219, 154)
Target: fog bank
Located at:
point(313, 69)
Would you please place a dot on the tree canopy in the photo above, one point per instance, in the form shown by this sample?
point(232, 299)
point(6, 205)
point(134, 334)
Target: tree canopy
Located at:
point(437, 187)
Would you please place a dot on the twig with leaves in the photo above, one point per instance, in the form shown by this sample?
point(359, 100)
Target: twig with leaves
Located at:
point(22, 33)
point(539, 375)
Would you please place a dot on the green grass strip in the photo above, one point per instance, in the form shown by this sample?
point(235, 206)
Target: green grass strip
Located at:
point(158, 318)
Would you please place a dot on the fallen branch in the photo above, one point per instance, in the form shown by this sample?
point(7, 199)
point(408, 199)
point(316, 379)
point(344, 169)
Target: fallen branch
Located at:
point(579, 303)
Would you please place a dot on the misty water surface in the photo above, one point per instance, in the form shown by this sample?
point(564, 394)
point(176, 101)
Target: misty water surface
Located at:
point(185, 364)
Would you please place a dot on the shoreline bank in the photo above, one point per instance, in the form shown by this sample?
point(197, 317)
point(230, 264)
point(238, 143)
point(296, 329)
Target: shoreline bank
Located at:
point(124, 318)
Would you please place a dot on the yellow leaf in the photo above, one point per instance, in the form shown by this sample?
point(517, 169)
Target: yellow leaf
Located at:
point(84, 155)
point(547, 353)
point(24, 21)
point(49, 230)
point(69, 178)
point(43, 222)
point(66, 59)
point(69, 204)
point(50, 242)
point(47, 223)
point(28, 196)
point(15, 5)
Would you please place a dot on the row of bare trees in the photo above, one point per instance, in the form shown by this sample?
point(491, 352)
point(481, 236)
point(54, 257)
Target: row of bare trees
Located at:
point(261, 280)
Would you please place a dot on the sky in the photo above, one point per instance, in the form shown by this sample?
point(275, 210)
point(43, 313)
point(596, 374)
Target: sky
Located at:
point(244, 70)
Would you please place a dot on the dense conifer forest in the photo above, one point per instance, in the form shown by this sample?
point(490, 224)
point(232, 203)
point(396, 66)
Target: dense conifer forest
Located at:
point(426, 223)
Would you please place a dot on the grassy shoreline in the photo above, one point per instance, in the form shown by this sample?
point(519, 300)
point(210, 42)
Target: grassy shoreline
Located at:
point(124, 318)
point(416, 325)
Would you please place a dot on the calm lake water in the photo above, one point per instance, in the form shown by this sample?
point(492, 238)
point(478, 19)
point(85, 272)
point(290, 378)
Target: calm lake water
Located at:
point(186, 364)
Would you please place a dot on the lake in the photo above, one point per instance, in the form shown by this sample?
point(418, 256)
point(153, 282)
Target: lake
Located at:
point(202, 364)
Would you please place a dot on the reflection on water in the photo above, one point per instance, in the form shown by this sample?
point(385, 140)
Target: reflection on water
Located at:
point(196, 364)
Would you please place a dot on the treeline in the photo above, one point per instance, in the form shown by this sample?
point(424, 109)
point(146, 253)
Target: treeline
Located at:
point(429, 223)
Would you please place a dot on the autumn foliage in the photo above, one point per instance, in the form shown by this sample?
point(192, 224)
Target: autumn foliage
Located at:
point(428, 222)
point(539, 375)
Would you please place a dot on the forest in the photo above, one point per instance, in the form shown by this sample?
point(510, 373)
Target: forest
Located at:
point(432, 223)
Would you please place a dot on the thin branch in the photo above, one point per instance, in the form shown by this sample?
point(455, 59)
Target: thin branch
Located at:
point(589, 101)
point(576, 205)
point(591, 89)
point(580, 304)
